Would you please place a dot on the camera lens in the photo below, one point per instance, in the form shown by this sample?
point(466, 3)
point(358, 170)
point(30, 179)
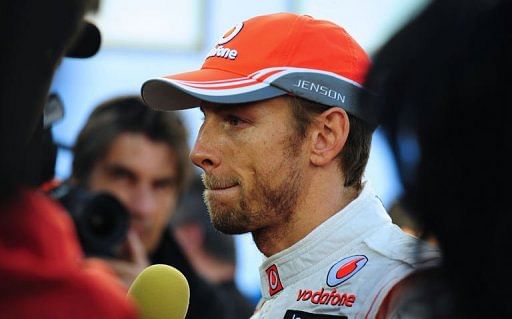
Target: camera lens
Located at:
point(101, 220)
point(101, 217)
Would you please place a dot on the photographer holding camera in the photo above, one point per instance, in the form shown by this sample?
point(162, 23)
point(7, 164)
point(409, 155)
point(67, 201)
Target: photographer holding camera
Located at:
point(138, 157)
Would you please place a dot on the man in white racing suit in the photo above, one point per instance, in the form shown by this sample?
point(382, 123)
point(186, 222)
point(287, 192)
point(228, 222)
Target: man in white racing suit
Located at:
point(345, 268)
point(283, 146)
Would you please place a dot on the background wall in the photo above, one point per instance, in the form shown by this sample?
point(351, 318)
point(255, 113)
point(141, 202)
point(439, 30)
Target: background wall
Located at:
point(149, 38)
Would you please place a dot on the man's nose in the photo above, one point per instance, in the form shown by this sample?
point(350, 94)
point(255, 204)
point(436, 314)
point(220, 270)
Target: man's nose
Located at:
point(205, 153)
point(142, 202)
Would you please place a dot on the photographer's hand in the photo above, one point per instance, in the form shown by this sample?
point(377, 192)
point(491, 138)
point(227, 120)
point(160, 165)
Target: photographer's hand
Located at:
point(136, 261)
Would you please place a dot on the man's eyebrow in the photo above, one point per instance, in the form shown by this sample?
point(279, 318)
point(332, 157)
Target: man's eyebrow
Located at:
point(118, 168)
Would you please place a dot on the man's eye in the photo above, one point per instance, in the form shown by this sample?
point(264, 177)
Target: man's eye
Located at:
point(119, 174)
point(165, 184)
point(233, 120)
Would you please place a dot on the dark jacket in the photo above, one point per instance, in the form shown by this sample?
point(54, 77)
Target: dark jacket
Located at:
point(222, 301)
point(205, 301)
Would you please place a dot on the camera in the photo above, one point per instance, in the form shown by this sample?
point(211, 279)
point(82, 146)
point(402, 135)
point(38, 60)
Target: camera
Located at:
point(101, 220)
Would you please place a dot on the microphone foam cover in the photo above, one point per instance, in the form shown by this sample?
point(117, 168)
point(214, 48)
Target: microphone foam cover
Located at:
point(161, 291)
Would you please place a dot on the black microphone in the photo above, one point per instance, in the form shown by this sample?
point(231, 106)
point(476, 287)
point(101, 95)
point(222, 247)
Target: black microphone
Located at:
point(86, 43)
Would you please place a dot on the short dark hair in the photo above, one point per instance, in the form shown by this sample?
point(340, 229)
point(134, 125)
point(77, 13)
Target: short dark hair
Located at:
point(354, 156)
point(129, 114)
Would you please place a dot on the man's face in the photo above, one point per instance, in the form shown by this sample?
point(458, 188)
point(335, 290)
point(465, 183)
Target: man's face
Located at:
point(142, 174)
point(253, 164)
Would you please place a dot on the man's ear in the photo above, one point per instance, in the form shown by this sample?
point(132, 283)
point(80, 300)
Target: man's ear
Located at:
point(329, 133)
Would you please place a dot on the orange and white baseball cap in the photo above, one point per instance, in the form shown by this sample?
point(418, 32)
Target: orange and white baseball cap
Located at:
point(269, 56)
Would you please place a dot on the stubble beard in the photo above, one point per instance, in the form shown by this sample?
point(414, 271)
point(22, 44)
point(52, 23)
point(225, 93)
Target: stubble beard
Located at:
point(265, 203)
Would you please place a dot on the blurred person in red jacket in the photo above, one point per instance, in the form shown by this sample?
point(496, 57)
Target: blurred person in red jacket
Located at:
point(42, 270)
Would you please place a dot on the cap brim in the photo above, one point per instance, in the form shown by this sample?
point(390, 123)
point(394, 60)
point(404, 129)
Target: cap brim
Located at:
point(187, 90)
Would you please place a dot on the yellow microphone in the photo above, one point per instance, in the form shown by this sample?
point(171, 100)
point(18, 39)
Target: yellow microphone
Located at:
point(161, 291)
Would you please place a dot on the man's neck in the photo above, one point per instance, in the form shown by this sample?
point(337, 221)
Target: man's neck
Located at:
point(323, 196)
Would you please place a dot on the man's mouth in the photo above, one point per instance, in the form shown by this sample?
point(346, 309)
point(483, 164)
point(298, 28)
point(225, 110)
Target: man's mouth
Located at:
point(217, 184)
point(218, 188)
